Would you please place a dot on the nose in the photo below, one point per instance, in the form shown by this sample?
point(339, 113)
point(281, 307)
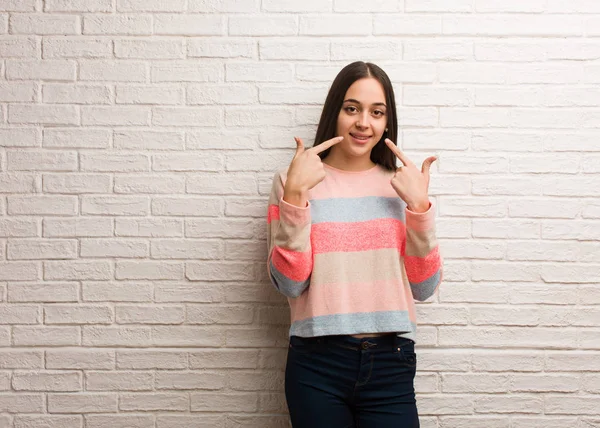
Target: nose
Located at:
point(362, 120)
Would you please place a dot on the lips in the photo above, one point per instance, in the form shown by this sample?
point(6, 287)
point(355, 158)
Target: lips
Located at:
point(360, 139)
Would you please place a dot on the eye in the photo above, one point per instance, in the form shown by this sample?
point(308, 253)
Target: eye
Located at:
point(379, 113)
point(351, 109)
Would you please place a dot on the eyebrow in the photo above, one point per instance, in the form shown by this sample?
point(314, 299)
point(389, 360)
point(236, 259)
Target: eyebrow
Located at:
point(352, 100)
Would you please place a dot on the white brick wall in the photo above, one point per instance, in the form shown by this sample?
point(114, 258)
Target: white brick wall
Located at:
point(138, 139)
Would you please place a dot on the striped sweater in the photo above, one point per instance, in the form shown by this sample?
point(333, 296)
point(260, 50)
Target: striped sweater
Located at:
point(355, 259)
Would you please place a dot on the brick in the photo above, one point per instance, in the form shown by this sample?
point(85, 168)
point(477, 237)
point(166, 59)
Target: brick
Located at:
point(45, 24)
point(258, 72)
point(507, 141)
point(263, 25)
point(38, 249)
point(260, 380)
point(42, 161)
point(78, 6)
point(22, 403)
point(105, 162)
point(19, 271)
point(77, 270)
point(16, 92)
point(210, 139)
point(475, 383)
point(42, 205)
point(335, 25)
point(150, 6)
point(47, 381)
point(82, 403)
point(230, 47)
point(149, 94)
point(20, 314)
point(546, 208)
point(545, 383)
point(188, 207)
point(18, 183)
point(520, 25)
point(436, 96)
point(48, 421)
point(263, 116)
point(150, 315)
point(154, 402)
point(184, 292)
point(119, 421)
point(206, 401)
point(190, 380)
point(149, 49)
point(43, 292)
point(122, 291)
point(473, 207)
point(76, 184)
point(219, 271)
point(186, 116)
point(146, 360)
point(149, 227)
point(78, 314)
point(188, 71)
point(188, 25)
point(43, 114)
point(18, 6)
point(115, 205)
point(217, 184)
point(406, 25)
point(119, 381)
point(223, 6)
point(149, 270)
point(101, 248)
point(21, 359)
point(185, 336)
point(76, 94)
point(117, 116)
point(186, 249)
point(203, 161)
point(147, 140)
point(77, 138)
point(219, 228)
point(77, 227)
point(283, 48)
point(67, 47)
point(149, 184)
point(20, 137)
point(116, 336)
point(224, 359)
point(118, 24)
point(46, 336)
point(439, 6)
point(221, 94)
point(208, 314)
point(113, 70)
point(505, 186)
point(80, 359)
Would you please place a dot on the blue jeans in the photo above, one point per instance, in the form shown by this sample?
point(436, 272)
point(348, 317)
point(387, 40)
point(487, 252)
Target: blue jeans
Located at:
point(346, 382)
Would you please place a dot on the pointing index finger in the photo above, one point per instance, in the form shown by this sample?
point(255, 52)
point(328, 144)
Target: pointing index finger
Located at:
point(326, 144)
point(394, 148)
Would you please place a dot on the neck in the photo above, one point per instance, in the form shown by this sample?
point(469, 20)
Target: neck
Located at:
point(338, 159)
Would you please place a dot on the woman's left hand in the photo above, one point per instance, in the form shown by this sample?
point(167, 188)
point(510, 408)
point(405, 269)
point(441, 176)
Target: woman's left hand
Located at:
point(411, 184)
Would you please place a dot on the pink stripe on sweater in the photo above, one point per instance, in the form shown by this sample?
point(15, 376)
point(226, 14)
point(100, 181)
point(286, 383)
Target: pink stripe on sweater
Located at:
point(359, 236)
point(294, 265)
point(419, 269)
point(345, 298)
point(272, 213)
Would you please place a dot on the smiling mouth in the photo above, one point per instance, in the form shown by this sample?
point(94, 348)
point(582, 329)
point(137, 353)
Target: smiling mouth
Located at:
point(360, 137)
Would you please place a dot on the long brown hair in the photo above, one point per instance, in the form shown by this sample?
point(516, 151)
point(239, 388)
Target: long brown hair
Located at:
point(380, 154)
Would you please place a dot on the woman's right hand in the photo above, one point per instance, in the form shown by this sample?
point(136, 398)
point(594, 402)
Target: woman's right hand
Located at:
point(305, 171)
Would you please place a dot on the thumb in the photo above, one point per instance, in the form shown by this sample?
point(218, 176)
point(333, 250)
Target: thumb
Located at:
point(427, 165)
point(299, 146)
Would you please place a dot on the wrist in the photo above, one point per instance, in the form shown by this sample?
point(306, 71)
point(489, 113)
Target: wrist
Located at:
point(295, 197)
point(419, 207)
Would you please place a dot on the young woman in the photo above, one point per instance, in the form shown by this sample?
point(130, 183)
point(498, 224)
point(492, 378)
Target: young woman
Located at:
point(352, 244)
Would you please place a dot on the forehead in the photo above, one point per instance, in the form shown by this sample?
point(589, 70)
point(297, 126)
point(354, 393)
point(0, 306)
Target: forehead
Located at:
point(367, 91)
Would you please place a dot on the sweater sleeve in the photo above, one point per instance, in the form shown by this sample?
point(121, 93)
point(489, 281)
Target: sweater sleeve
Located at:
point(290, 260)
point(422, 258)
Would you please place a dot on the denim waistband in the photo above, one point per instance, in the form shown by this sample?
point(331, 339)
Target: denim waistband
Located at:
point(366, 343)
